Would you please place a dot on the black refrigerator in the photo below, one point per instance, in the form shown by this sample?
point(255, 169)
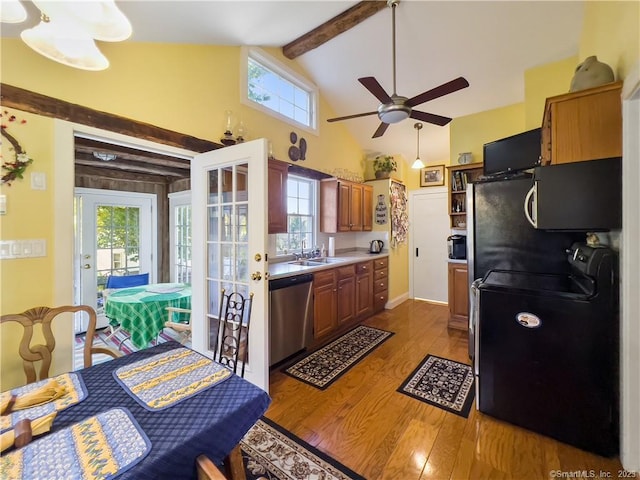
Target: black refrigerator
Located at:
point(543, 316)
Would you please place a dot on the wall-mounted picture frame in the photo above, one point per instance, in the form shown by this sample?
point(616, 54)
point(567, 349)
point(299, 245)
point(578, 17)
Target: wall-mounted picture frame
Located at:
point(432, 176)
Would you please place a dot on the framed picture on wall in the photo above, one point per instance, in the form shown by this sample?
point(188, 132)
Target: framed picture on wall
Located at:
point(432, 176)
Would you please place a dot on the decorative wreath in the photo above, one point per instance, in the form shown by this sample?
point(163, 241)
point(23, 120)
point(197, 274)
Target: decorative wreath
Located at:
point(16, 168)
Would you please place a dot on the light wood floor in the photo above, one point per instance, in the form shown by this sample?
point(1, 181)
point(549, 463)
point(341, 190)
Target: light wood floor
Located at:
point(364, 423)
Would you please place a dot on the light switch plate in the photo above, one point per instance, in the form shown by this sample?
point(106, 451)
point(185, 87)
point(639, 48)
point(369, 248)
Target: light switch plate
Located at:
point(38, 181)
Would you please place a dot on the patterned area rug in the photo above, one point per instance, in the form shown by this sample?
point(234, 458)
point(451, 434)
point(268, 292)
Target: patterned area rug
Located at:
point(323, 367)
point(271, 452)
point(442, 383)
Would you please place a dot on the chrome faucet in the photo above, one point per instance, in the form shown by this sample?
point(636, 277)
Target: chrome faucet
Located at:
point(302, 248)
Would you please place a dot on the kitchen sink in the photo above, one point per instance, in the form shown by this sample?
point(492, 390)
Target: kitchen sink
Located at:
point(314, 262)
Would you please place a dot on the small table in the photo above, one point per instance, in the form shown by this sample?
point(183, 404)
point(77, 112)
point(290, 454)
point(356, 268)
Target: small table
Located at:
point(141, 310)
point(211, 422)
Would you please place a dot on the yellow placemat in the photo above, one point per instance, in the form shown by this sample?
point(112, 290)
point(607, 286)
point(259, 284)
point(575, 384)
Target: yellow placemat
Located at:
point(72, 383)
point(96, 448)
point(165, 379)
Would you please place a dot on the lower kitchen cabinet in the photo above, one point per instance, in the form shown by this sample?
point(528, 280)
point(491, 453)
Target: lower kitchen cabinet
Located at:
point(364, 289)
point(324, 303)
point(458, 296)
point(346, 282)
point(380, 283)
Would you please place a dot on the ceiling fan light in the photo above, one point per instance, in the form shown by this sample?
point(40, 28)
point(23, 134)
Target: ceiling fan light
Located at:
point(102, 20)
point(393, 116)
point(12, 11)
point(66, 46)
point(418, 164)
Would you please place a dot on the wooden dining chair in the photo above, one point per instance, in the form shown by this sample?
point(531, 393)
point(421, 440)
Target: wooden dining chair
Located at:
point(207, 470)
point(232, 341)
point(44, 316)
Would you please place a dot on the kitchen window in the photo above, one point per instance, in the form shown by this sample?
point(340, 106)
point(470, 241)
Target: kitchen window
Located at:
point(272, 87)
point(180, 236)
point(301, 208)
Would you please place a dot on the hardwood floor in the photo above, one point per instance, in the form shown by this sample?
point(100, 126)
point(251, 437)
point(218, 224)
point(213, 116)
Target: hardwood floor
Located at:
point(364, 423)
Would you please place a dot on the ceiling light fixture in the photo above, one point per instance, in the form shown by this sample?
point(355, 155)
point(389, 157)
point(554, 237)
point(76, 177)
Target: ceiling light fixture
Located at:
point(67, 31)
point(104, 156)
point(418, 163)
point(101, 20)
point(69, 46)
point(12, 11)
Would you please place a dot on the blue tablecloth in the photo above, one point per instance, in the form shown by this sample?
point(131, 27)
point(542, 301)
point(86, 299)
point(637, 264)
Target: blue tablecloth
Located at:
point(212, 422)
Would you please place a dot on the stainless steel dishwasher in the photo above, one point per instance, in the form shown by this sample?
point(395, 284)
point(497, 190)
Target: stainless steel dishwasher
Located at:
point(290, 315)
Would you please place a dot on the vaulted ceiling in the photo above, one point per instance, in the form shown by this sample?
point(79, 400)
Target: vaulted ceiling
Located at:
point(491, 44)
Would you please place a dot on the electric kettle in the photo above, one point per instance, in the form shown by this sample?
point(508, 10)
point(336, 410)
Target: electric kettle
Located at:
point(376, 246)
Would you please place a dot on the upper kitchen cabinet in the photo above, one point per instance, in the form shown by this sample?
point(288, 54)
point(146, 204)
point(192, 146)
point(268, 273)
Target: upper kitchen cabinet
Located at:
point(459, 177)
point(345, 206)
point(277, 173)
point(583, 125)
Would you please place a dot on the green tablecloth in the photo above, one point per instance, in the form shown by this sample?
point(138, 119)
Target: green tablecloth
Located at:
point(141, 310)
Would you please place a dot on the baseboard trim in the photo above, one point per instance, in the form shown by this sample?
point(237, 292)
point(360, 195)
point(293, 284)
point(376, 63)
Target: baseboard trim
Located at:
point(394, 302)
point(432, 302)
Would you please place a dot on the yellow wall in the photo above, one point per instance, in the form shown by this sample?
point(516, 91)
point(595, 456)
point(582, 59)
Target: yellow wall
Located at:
point(611, 31)
point(471, 132)
point(185, 88)
point(545, 81)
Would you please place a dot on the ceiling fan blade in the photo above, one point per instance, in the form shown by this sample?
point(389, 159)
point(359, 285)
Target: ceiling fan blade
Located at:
point(430, 118)
point(444, 89)
point(381, 129)
point(371, 84)
point(337, 119)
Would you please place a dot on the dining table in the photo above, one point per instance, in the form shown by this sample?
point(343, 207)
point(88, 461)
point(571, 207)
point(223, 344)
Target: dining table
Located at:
point(141, 311)
point(210, 422)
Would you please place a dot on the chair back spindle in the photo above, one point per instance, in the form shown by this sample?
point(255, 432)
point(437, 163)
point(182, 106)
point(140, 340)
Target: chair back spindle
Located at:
point(232, 341)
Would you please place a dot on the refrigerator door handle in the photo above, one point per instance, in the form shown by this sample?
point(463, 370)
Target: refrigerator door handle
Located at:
point(530, 206)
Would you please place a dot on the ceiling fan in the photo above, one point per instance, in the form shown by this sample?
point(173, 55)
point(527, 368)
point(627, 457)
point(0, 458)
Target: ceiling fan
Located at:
point(395, 108)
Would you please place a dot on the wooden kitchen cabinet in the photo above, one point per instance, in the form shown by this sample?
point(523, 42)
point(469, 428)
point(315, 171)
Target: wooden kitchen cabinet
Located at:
point(380, 283)
point(583, 125)
point(346, 283)
point(459, 177)
point(324, 303)
point(364, 289)
point(277, 195)
point(458, 296)
point(345, 206)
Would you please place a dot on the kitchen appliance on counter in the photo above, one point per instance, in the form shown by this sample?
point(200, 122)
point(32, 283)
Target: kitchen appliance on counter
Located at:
point(290, 316)
point(457, 246)
point(546, 349)
point(376, 246)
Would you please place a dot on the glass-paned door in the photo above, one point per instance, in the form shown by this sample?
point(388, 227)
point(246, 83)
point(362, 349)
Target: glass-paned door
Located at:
point(180, 236)
point(229, 211)
point(115, 236)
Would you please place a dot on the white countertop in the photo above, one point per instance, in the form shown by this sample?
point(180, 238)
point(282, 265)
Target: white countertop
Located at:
point(286, 269)
point(457, 260)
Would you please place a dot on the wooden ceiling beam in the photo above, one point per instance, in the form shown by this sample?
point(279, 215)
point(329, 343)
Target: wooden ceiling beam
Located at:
point(32, 102)
point(332, 28)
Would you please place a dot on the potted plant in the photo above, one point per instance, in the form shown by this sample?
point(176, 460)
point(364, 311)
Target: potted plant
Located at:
point(384, 165)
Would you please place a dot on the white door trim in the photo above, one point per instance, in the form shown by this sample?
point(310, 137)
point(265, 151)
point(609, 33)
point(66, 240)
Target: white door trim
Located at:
point(630, 275)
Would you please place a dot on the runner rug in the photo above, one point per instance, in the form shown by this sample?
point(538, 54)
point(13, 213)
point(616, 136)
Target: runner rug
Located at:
point(323, 367)
point(442, 383)
point(271, 452)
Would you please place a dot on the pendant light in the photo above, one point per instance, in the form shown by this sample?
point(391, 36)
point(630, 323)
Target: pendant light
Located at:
point(65, 44)
point(418, 163)
point(12, 11)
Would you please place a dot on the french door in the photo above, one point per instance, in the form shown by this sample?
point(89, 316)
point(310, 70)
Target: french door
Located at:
point(115, 236)
point(229, 212)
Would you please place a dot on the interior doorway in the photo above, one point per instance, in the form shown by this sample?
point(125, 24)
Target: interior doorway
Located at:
point(428, 232)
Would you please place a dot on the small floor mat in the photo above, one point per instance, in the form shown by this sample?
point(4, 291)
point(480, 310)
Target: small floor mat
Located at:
point(271, 452)
point(443, 383)
point(323, 367)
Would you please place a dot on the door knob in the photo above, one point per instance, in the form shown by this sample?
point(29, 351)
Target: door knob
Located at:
point(256, 276)
point(86, 266)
